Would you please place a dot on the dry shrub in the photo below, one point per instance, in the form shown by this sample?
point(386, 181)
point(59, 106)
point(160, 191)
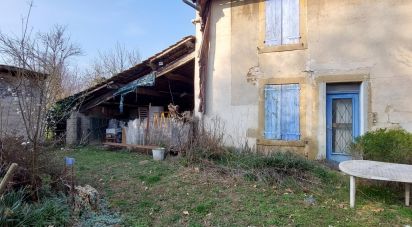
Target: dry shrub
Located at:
point(208, 150)
point(277, 167)
point(16, 150)
point(207, 142)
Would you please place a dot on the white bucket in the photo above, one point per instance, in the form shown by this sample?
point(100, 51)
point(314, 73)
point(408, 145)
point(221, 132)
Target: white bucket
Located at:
point(158, 153)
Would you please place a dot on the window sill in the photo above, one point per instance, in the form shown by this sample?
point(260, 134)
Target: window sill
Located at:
point(280, 48)
point(297, 143)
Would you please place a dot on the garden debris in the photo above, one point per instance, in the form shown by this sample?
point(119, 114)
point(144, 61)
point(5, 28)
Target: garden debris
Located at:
point(86, 198)
point(310, 200)
point(288, 190)
point(370, 207)
point(91, 209)
point(144, 162)
point(343, 206)
point(174, 112)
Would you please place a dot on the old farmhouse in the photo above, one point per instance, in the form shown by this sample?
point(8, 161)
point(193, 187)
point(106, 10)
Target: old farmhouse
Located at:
point(304, 75)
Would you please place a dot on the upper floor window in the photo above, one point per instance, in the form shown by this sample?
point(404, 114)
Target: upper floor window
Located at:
point(282, 22)
point(284, 25)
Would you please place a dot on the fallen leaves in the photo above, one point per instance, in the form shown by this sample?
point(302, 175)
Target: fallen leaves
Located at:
point(342, 206)
point(288, 191)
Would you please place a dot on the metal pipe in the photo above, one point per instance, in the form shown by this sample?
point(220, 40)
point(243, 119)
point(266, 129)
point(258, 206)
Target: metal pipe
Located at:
point(191, 4)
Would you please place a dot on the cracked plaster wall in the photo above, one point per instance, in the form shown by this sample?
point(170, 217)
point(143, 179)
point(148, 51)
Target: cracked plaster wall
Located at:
point(359, 39)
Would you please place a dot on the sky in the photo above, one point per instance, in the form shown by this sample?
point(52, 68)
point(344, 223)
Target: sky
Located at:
point(96, 25)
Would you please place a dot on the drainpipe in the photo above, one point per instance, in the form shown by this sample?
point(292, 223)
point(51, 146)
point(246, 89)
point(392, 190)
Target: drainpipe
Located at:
point(191, 4)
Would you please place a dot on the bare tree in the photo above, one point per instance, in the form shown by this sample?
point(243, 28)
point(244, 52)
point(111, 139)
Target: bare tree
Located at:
point(111, 62)
point(72, 81)
point(42, 61)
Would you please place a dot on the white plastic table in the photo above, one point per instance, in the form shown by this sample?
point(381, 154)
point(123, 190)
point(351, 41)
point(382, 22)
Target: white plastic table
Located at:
point(373, 170)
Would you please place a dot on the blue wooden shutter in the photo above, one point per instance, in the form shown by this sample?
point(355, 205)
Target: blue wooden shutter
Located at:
point(273, 34)
point(272, 112)
point(290, 112)
point(290, 22)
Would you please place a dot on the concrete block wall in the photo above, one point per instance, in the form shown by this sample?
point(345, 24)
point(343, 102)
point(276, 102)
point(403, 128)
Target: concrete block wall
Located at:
point(85, 124)
point(78, 129)
point(11, 121)
point(71, 129)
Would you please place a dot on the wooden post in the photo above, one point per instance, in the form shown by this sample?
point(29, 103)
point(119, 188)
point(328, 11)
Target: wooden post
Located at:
point(123, 136)
point(147, 125)
point(7, 177)
point(407, 193)
point(352, 191)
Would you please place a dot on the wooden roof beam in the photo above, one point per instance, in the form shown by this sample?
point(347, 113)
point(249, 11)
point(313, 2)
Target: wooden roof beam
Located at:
point(150, 92)
point(109, 95)
point(180, 78)
point(94, 102)
point(172, 66)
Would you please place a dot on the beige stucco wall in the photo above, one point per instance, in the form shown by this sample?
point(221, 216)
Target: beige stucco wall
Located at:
point(356, 40)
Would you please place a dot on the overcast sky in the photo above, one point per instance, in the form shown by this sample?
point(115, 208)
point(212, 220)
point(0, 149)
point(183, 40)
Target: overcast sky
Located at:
point(146, 25)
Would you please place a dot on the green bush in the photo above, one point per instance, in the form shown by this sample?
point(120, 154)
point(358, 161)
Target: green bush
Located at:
point(387, 145)
point(16, 211)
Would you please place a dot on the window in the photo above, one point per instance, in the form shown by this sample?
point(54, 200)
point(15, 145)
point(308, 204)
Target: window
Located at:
point(284, 25)
point(281, 112)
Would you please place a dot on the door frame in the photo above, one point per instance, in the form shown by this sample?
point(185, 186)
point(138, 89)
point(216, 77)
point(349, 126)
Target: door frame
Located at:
point(330, 96)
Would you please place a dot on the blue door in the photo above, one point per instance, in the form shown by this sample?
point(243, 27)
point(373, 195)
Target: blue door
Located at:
point(342, 124)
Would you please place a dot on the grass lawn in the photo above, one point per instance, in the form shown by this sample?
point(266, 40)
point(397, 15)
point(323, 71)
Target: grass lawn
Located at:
point(150, 193)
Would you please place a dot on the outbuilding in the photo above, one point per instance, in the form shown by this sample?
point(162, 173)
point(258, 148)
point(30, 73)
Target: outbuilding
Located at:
point(144, 91)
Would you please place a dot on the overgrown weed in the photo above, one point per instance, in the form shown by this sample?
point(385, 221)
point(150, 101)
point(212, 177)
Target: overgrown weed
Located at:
point(48, 172)
point(208, 150)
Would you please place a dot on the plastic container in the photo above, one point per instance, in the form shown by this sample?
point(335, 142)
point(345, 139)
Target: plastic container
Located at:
point(69, 161)
point(158, 154)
